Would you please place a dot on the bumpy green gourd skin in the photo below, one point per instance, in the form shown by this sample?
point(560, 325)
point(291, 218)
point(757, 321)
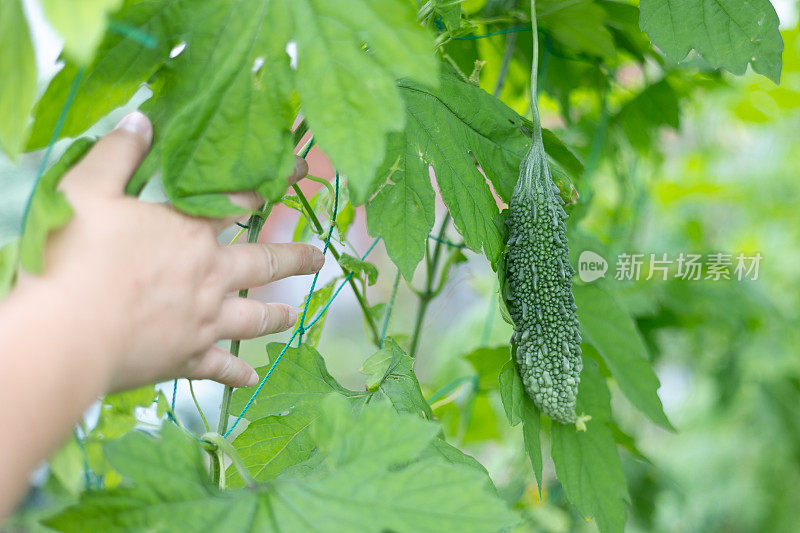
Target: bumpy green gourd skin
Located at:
point(539, 290)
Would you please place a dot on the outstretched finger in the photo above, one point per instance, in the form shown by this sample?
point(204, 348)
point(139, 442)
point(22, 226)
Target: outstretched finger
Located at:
point(221, 366)
point(255, 264)
point(241, 318)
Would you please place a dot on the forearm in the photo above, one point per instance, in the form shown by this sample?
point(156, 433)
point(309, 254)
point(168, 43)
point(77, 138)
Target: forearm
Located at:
point(58, 369)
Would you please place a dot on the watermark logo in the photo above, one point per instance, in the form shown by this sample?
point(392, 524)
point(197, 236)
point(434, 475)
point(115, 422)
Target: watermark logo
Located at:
point(591, 266)
point(662, 266)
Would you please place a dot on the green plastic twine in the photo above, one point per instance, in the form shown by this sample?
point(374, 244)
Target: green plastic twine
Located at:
point(291, 339)
point(324, 251)
point(62, 117)
point(133, 33)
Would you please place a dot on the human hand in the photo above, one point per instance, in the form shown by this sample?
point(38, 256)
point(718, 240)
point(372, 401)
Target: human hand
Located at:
point(145, 286)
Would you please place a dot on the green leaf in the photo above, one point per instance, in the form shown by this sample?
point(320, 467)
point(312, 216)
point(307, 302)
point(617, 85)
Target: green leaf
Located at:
point(349, 96)
point(623, 22)
point(392, 371)
point(316, 301)
point(445, 128)
point(440, 448)
point(48, 209)
point(18, 72)
point(450, 11)
point(367, 481)
point(243, 108)
point(652, 108)
point(561, 154)
point(119, 69)
point(611, 330)
point(519, 407)
point(449, 128)
point(402, 211)
point(488, 363)
point(359, 267)
point(167, 489)
point(511, 392)
point(272, 443)
point(9, 259)
point(118, 412)
point(246, 102)
point(81, 23)
point(579, 26)
point(300, 378)
point(728, 34)
point(372, 437)
point(587, 462)
point(67, 467)
point(369, 464)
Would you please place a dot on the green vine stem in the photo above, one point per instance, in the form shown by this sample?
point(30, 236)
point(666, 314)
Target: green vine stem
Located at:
point(197, 406)
point(254, 225)
point(362, 302)
point(537, 121)
point(224, 446)
point(425, 297)
point(388, 315)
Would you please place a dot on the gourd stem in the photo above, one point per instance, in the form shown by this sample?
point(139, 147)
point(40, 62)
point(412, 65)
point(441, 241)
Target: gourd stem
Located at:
point(537, 122)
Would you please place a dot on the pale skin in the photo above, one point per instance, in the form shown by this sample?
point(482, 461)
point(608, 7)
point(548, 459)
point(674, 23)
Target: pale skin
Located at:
point(132, 293)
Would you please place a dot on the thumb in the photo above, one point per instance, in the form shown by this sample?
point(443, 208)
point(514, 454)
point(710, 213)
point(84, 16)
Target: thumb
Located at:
point(112, 161)
point(219, 365)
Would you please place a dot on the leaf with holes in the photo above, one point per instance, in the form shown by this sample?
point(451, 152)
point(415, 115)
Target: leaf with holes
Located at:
point(246, 105)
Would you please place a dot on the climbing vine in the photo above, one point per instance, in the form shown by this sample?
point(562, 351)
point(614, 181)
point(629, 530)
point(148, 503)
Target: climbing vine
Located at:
point(426, 111)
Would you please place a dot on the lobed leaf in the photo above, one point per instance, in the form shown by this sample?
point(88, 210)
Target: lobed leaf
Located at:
point(728, 34)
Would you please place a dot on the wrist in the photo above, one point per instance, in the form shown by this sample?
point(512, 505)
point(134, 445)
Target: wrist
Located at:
point(41, 317)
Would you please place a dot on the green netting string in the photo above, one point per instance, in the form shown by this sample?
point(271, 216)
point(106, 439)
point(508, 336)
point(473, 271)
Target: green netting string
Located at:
point(62, 117)
point(301, 327)
point(291, 339)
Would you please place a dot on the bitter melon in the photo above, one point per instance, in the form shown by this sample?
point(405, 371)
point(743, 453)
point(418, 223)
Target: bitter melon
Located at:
point(539, 289)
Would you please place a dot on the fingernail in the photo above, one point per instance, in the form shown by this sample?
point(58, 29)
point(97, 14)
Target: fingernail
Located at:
point(293, 314)
point(137, 123)
point(253, 379)
point(300, 168)
point(319, 260)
